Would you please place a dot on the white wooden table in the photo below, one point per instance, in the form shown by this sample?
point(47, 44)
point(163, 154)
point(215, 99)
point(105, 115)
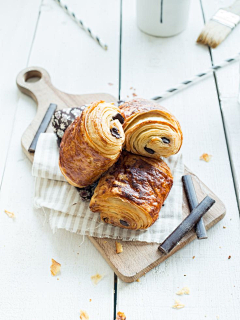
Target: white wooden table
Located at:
point(39, 33)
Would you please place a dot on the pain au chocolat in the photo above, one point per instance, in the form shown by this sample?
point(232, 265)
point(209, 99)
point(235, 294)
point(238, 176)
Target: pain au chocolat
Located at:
point(150, 130)
point(130, 195)
point(91, 144)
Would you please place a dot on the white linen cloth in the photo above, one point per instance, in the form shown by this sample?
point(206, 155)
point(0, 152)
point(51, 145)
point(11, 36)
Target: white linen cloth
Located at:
point(62, 203)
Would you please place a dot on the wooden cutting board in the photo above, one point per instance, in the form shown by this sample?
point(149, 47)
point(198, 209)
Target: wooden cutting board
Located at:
point(137, 258)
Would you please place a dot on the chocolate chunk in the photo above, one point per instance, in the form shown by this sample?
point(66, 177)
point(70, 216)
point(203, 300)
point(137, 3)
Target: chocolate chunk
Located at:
point(193, 202)
point(119, 117)
point(165, 140)
point(124, 223)
point(87, 192)
point(105, 220)
point(186, 225)
point(115, 133)
point(151, 151)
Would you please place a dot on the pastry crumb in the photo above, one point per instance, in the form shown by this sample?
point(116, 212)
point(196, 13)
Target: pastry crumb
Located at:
point(178, 305)
point(90, 300)
point(224, 227)
point(10, 214)
point(193, 257)
point(229, 257)
point(138, 280)
point(110, 83)
point(134, 94)
point(55, 267)
point(57, 278)
point(184, 290)
point(84, 315)
point(121, 316)
point(206, 157)
point(96, 278)
point(119, 247)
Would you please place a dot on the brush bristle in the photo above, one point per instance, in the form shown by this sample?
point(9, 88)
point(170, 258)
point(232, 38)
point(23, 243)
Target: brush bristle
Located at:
point(213, 34)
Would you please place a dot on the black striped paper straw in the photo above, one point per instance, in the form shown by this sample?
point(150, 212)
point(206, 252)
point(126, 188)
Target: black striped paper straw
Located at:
point(196, 78)
point(82, 25)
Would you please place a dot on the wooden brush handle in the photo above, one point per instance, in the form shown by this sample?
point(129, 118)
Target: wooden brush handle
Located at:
point(234, 8)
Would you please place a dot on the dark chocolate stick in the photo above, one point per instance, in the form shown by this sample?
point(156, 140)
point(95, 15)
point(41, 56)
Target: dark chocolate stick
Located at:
point(43, 126)
point(186, 225)
point(193, 202)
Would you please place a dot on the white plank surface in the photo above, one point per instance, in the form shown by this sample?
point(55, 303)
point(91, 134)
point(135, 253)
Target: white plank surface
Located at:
point(78, 65)
point(229, 87)
point(18, 20)
point(152, 65)
point(27, 245)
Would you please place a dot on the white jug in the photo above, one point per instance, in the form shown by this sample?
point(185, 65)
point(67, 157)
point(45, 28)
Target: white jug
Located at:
point(162, 18)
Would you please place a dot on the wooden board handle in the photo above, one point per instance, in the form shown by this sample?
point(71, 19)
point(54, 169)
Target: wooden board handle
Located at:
point(44, 94)
point(34, 89)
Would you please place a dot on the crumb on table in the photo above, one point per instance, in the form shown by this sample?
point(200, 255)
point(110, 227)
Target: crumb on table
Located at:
point(84, 315)
point(96, 278)
point(178, 305)
point(10, 214)
point(121, 316)
point(184, 290)
point(55, 267)
point(206, 157)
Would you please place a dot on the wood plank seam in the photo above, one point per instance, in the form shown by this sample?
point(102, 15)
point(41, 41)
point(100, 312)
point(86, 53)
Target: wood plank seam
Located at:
point(226, 138)
point(120, 54)
point(35, 32)
point(119, 98)
point(222, 117)
point(14, 116)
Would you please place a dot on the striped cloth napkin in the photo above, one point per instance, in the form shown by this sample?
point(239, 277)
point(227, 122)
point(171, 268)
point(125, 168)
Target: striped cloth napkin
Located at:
point(61, 201)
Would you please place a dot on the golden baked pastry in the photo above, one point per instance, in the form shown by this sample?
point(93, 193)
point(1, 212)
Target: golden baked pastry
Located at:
point(150, 130)
point(130, 195)
point(91, 144)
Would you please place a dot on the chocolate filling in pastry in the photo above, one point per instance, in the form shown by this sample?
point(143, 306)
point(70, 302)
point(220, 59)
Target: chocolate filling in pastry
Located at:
point(150, 151)
point(119, 117)
point(149, 127)
point(131, 193)
point(124, 223)
point(165, 140)
point(115, 133)
point(91, 144)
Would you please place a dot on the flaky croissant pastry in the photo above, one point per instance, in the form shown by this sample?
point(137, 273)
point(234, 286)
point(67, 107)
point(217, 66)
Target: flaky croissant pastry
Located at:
point(130, 195)
point(91, 144)
point(150, 130)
